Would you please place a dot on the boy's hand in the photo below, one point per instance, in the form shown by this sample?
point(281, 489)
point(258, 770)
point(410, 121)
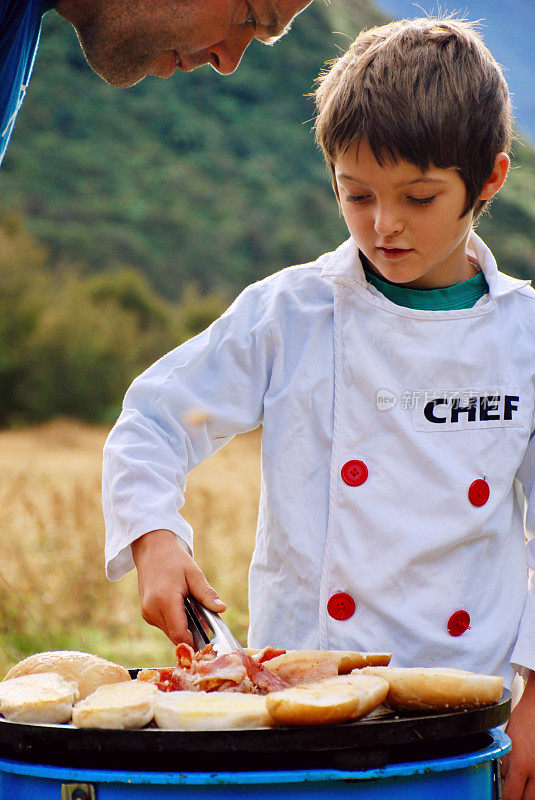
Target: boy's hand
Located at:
point(518, 766)
point(167, 574)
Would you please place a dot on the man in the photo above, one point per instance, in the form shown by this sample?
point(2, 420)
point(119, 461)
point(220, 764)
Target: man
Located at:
point(126, 40)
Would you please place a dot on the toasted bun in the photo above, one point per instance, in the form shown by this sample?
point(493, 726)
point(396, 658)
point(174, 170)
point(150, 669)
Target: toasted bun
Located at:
point(117, 705)
point(304, 666)
point(87, 670)
point(352, 659)
point(46, 697)
point(437, 688)
point(308, 666)
point(329, 701)
point(210, 710)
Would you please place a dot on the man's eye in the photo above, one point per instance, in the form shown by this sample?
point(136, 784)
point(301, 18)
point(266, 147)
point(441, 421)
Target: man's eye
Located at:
point(422, 201)
point(251, 18)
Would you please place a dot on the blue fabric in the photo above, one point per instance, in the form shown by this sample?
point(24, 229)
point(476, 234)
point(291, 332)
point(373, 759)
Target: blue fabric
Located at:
point(20, 26)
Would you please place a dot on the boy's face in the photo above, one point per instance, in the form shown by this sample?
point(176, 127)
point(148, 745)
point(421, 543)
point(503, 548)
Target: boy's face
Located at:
point(406, 222)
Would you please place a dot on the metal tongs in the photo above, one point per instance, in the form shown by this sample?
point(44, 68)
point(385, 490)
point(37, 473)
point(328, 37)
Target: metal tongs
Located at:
point(222, 640)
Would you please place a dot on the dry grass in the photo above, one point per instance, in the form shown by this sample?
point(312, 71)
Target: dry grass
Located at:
point(53, 591)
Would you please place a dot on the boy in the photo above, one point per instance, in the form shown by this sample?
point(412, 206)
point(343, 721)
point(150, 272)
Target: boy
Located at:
point(394, 379)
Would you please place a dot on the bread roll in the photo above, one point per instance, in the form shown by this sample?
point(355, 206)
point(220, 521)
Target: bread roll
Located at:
point(210, 710)
point(353, 659)
point(118, 705)
point(87, 670)
point(46, 697)
point(437, 688)
point(329, 701)
point(308, 666)
point(304, 666)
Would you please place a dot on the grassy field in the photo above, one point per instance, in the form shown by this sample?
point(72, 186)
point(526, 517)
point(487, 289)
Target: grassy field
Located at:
point(53, 590)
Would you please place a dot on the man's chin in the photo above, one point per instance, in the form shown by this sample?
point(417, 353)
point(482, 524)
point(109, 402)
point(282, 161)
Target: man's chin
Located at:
point(119, 81)
point(124, 83)
point(122, 77)
point(125, 73)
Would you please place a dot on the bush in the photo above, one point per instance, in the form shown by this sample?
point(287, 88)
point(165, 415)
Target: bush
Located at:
point(70, 345)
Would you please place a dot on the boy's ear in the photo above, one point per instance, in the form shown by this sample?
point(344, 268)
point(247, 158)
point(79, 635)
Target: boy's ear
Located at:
point(496, 180)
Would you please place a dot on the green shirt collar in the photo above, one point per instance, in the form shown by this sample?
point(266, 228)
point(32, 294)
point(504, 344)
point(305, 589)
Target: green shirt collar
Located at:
point(447, 298)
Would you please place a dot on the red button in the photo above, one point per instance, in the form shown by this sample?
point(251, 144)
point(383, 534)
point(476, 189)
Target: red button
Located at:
point(458, 623)
point(341, 606)
point(479, 492)
point(354, 473)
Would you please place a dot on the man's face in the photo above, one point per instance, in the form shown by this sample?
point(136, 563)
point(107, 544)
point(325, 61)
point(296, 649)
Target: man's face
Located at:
point(125, 40)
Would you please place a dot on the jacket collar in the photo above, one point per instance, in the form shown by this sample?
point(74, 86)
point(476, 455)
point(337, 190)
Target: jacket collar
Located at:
point(499, 283)
point(344, 265)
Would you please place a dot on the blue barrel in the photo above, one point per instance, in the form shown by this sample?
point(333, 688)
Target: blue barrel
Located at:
point(470, 776)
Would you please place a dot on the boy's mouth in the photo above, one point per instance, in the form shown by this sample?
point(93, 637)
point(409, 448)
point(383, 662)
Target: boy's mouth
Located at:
point(393, 252)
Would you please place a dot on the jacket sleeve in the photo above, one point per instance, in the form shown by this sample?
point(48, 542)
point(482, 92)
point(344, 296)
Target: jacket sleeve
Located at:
point(523, 656)
point(180, 411)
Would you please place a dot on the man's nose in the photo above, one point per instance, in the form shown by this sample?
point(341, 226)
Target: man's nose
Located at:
point(387, 222)
point(226, 54)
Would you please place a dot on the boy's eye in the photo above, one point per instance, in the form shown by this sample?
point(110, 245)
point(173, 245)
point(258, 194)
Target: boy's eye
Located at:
point(422, 201)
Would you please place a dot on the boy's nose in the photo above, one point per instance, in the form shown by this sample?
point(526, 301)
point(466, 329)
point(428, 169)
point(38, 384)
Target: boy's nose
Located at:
point(387, 222)
point(226, 54)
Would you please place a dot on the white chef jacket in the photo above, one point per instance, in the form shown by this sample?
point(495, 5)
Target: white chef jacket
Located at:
point(433, 409)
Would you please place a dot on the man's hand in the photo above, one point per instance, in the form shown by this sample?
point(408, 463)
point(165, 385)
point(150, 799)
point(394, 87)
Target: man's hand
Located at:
point(518, 766)
point(166, 574)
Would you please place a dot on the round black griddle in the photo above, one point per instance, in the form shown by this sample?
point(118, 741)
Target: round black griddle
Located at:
point(363, 744)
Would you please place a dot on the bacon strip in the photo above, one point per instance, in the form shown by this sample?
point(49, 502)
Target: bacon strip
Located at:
point(206, 654)
point(206, 672)
point(227, 668)
point(267, 654)
point(185, 655)
point(168, 679)
point(180, 680)
point(261, 676)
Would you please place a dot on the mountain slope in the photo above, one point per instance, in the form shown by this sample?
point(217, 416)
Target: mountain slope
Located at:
point(201, 177)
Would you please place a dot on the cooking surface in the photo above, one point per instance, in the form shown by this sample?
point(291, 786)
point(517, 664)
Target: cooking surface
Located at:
point(361, 744)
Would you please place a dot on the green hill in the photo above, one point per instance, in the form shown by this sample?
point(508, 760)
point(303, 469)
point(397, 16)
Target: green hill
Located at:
point(202, 177)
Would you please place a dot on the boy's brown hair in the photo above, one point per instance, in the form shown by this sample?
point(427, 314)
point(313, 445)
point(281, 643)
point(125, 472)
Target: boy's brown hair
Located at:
point(425, 91)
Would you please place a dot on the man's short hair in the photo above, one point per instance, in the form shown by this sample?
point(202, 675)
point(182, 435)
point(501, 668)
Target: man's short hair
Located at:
point(426, 91)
